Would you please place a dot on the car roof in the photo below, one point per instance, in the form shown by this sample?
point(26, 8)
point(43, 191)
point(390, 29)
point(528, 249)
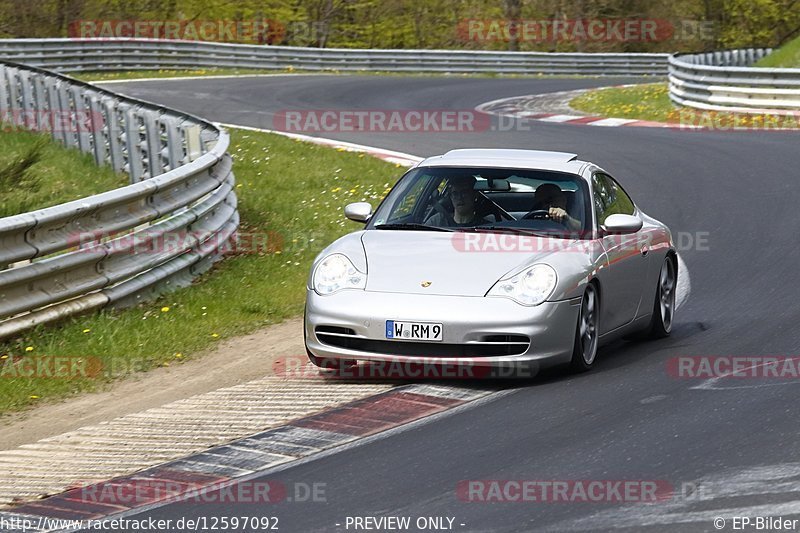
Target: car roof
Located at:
point(506, 158)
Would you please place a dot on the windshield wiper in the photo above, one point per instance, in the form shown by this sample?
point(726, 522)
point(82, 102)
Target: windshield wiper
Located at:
point(511, 229)
point(522, 231)
point(411, 226)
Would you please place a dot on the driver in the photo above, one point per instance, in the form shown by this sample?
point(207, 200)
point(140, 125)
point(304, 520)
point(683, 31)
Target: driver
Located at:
point(549, 197)
point(464, 198)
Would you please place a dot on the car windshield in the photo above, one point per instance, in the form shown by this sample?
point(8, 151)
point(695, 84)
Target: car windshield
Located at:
point(487, 199)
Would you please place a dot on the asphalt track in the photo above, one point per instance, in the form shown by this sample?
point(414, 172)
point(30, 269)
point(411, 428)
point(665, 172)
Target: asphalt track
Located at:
point(737, 440)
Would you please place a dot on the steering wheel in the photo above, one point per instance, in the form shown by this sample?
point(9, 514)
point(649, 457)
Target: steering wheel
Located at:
point(538, 214)
point(437, 208)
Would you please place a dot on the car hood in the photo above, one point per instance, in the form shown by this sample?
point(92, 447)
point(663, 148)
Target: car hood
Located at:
point(402, 261)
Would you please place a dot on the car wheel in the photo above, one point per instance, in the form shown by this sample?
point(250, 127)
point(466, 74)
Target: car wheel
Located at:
point(586, 332)
point(664, 305)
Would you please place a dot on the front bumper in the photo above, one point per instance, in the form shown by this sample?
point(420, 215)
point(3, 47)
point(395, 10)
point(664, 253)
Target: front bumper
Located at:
point(360, 318)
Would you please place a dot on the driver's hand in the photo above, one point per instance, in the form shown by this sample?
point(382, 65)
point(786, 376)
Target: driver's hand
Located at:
point(557, 214)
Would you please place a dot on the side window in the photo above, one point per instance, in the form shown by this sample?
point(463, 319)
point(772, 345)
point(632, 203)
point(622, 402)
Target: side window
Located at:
point(610, 198)
point(621, 203)
point(405, 207)
point(599, 198)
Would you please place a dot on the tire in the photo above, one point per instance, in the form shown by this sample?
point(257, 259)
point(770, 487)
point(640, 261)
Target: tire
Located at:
point(664, 304)
point(587, 332)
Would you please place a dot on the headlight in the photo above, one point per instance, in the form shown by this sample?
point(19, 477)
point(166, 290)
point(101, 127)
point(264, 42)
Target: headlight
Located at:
point(336, 272)
point(530, 287)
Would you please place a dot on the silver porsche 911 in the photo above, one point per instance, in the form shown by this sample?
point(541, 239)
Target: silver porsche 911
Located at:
point(502, 257)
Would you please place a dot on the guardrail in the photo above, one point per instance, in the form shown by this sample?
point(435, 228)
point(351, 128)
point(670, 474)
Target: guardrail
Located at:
point(725, 81)
point(110, 249)
point(152, 54)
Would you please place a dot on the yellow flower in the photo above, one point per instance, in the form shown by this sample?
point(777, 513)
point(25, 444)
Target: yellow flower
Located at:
point(178, 355)
point(215, 335)
point(34, 397)
point(87, 330)
point(29, 349)
point(165, 309)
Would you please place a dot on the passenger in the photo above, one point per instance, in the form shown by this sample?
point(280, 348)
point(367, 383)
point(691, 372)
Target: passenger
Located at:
point(464, 199)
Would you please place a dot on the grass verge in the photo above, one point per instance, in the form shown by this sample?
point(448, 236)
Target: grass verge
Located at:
point(36, 172)
point(642, 102)
point(290, 193)
point(651, 102)
point(787, 56)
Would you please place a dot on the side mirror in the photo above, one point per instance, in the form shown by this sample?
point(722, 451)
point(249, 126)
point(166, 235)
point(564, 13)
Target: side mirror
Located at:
point(618, 224)
point(358, 211)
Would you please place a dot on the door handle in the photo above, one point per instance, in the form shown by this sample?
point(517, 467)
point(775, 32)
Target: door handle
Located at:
point(645, 249)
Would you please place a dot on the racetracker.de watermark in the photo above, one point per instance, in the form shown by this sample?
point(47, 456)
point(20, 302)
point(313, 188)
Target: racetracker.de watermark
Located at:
point(56, 120)
point(571, 242)
point(382, 121)
point(734, 366)
point(583, 30)
point(696, 120)
point(56, 367)
point(157, 242)
point(142, 491)
point(262, 31)
point(74, 367)
point(564, 491)
point(396, 368)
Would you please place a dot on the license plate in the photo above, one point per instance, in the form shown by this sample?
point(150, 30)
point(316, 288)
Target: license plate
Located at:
point(413, 331)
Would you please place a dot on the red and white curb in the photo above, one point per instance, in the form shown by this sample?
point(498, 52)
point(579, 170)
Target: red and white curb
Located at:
point(390, 156)
point(221, 466)
point(177, 429)
point(551, 107)
point(590, 120)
